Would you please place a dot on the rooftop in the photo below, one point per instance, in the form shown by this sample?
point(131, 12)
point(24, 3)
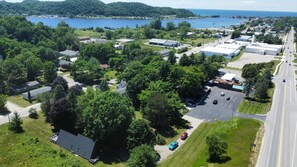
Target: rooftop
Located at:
point(228, 76)
point(230, 46)
point(69, 53)
point(166, 51)
point(124, 40)
point(218, 50)
point(262, 48)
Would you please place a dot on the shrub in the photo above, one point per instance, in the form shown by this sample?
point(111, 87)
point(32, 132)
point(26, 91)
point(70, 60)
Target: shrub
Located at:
point(160, 140)
point(33, 113)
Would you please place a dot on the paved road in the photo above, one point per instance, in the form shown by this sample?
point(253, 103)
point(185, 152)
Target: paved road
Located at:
point(15, 108)
point(279, 142)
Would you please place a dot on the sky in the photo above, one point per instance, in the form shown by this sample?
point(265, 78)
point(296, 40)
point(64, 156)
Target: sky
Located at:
point(260, 5)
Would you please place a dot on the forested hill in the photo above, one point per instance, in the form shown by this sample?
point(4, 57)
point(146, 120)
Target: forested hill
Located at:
point(73, 8)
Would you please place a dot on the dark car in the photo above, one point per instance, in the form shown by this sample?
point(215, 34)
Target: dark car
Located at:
point(284, 80)
point(215, 102)
point(228, 98)
point(290, 64)
point(184, 136)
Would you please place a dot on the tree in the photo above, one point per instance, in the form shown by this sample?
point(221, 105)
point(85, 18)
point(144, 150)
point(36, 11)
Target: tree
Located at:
point(140, 133)
point(235, 34)
point(33, 113)
point(49, 72)
point(248, 87)
point(143, 156)
point(16, 123)
point(59, 92)
point(106, 117)
point(3, 99)
point(62, 116)
point(157, 111)
point(216, 147)
point(157, 24)
point(60, 81)
point(171, 58)
point(261, 88)
point(29, 97)
point(184, 60)
point(47, 100)
point(103, 85)
point(33, 65)
point(170, 26)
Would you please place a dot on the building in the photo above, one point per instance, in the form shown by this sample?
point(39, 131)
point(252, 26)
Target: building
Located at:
point(25, 87)
point(262, 50)
point(83, 38)
point(64, 63)
point(244, 38)
point(164, 42)
point(69, 53)
point(228, 77)
point(165, 52)
point(265, 45)
point(77, 144)
point(118, 47)
point(191, 34)
point(124, 40)
point(227, 53)
point(104, 66)
point(36, 92)
point(229, 41)
point(230, 46)
point(121, 87)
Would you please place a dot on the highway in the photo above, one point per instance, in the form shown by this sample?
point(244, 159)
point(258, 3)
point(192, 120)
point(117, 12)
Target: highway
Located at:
point(280, 139)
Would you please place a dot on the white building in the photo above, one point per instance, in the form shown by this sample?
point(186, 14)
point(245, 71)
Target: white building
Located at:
point(230, 46)
point(244, 38)
point(230, 41)
point(164, 42)
point(265, 45)
point(227, 53)
point(262, 50)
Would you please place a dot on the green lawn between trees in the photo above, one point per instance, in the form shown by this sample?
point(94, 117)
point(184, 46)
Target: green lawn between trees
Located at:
point(195, 152)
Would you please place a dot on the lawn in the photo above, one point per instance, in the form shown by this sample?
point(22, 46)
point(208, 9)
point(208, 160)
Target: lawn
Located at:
point(255, 107)
point(20, 101)
point(110, 74)
point(33, 148)
point(276, 62)
point(195, 152)
point(87, 33)
point(155, 48)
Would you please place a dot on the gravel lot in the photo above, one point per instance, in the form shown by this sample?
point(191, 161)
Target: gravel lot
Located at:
point(247, 58)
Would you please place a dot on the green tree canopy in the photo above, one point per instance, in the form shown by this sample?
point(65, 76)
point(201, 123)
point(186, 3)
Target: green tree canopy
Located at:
point(143, 156)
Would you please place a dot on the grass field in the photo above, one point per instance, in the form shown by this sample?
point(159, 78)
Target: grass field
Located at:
point(20, 101)
point(87, 33)
point(255, 107)
point(33, 148)
point(195, 152)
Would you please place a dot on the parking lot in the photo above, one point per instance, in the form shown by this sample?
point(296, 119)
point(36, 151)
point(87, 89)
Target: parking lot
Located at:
point(223, 110)
point(247, 58)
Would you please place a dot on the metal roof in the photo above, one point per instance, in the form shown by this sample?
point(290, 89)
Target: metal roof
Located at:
point(228, 76)
point(160, 41)
point(69, 53)
point(217, 50)
point(38, 91)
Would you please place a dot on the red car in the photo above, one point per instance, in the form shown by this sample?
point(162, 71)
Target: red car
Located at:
point(184, 136)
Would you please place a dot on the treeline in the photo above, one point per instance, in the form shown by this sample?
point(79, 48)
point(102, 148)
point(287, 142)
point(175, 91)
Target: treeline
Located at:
point(73, 8)
point(284, 24)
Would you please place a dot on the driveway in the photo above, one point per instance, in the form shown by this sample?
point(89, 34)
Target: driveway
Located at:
point(164, 151)
point(224, 110)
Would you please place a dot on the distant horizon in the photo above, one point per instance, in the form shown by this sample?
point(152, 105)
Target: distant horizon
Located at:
point(241, 10)
point(240, 5)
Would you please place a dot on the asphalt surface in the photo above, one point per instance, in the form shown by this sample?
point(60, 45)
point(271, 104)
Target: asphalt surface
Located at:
point(279, 142)
point(224, 110)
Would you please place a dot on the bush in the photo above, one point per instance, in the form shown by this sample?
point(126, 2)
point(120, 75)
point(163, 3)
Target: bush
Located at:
point(160, 140)
point(33, 113)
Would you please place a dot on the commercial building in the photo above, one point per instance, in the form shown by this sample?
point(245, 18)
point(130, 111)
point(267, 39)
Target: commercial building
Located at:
point(230, 46)
point(262, 50)
point(230, 41)
point(227, 53)
point(164, 42)
point(244, 38)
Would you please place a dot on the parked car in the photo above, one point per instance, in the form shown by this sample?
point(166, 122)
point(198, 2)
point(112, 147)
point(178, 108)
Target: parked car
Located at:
point(228, 98)
point(184, 136)
point(215, 102)
point(173, 145)
point(284, 80)
point(222, 94)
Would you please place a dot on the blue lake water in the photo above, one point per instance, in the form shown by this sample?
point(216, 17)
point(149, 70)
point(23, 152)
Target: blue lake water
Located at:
point(118, 23)
point(225, 19)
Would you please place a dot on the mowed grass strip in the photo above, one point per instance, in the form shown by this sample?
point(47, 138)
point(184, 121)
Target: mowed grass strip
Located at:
point(195, 151)
point(20, 101)
point(255, 107)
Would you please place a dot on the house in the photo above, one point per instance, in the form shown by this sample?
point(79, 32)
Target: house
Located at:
point(104, 66)
point(77, 144)
point(164, 42)
point(83, 38)
point(36, 92)
point(165, 52)
point(191, 34)
point(118, 47)
point(64, 63)
point(124, 40)
point(25, 87)
point(244, 38)
point(69, 53)
point(227, 53)
point(229, 41)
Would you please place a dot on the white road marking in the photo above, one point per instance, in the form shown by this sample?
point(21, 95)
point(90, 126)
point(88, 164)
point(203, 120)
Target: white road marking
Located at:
point(294, 146)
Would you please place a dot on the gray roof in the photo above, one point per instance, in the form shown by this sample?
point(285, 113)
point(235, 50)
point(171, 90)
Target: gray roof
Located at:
point(64, 62)
point(32, 83)
point(77, 144)
point(164, 52)
point(69, 53)
point(171, 43)
point(160, 41)
point(38, 91)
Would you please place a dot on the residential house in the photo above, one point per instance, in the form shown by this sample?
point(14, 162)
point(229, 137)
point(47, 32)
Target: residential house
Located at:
point(25, 87)
point(36, 92)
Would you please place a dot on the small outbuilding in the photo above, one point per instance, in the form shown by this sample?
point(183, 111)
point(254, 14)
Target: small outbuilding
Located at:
point(36, 92)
